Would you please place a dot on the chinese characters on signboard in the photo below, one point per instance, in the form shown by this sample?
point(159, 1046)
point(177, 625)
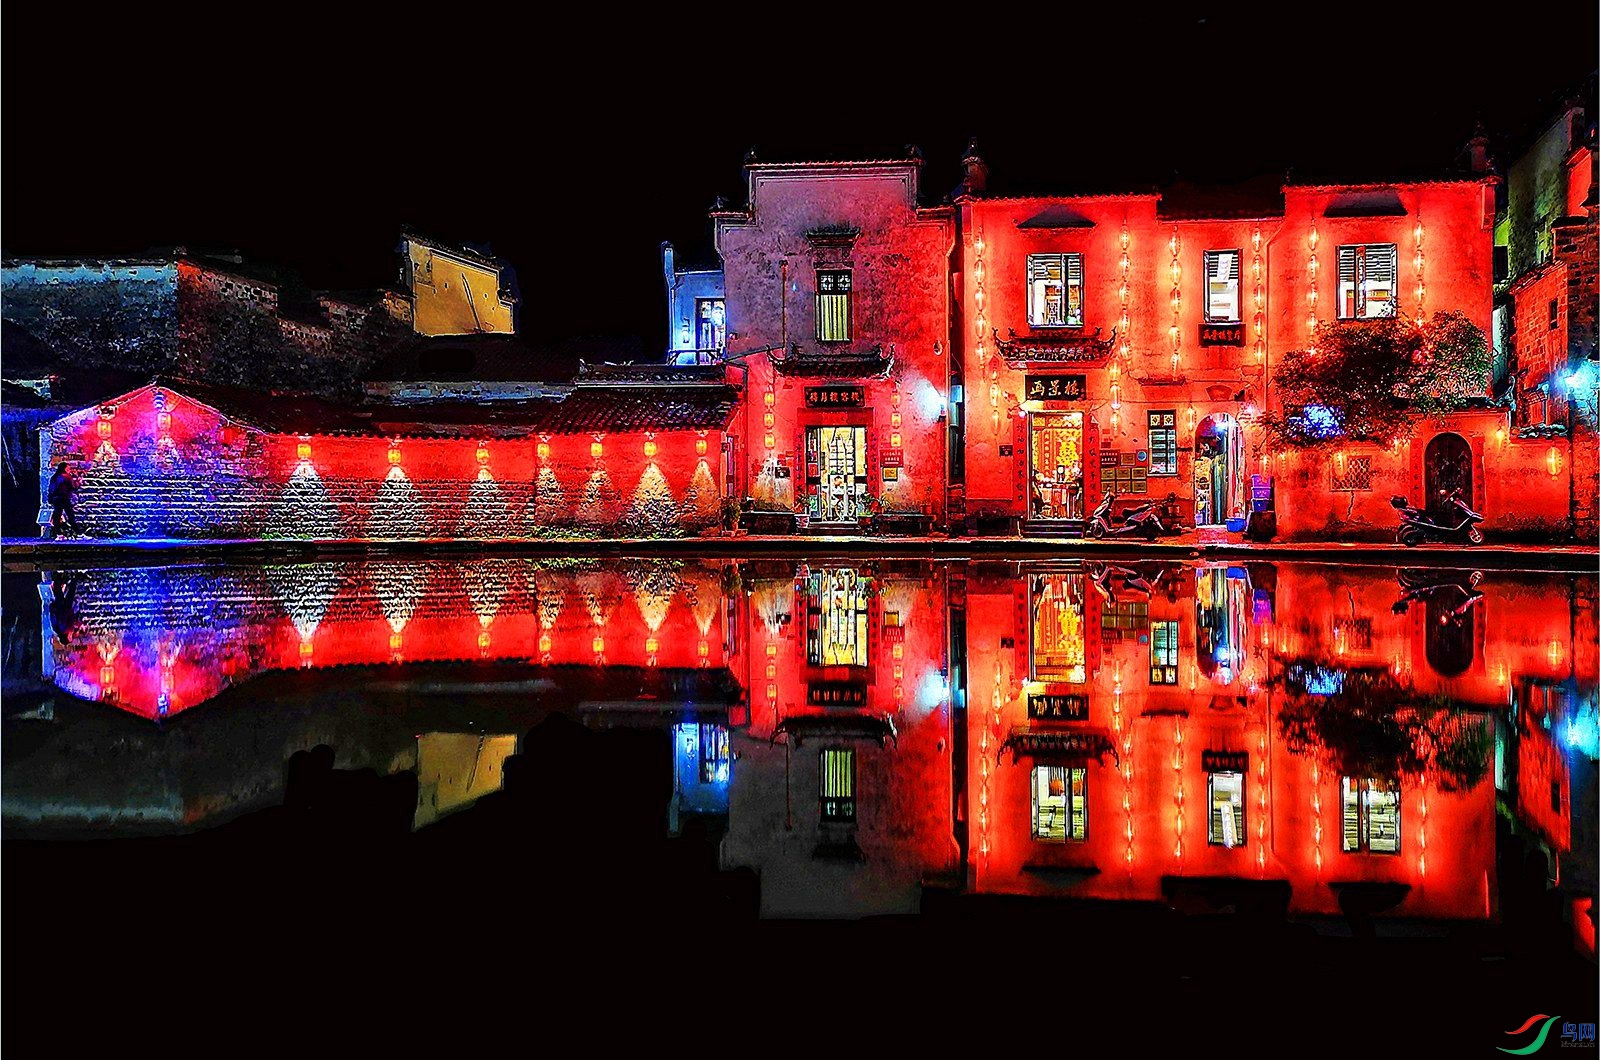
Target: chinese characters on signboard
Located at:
point(1222, 334)
point(1054, 388)
point(835, 397)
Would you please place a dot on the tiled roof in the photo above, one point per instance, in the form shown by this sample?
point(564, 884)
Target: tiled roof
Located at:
point(658, 375)
point(703, 407)
point(854, 364)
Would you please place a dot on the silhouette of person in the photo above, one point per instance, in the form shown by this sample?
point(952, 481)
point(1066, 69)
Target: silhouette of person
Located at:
point(63, 488)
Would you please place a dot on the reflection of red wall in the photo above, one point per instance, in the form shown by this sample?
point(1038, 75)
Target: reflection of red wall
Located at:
point(1161, 732)
point(1542, 773)
point(390, 611)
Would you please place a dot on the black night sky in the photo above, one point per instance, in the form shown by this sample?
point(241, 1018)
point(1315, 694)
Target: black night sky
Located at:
point(574, 148)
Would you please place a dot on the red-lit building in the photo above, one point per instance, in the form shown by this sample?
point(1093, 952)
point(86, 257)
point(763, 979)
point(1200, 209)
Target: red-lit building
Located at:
point(837, 285)
point(1127, 343)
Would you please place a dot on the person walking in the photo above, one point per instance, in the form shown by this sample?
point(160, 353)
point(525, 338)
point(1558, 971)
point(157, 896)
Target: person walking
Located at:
point(60, 495)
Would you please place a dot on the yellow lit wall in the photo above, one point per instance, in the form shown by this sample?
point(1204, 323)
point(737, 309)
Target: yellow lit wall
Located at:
point(455, 295)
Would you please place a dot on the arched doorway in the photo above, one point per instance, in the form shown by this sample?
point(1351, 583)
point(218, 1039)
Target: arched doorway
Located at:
point(1447, 467)
point(1218, 470)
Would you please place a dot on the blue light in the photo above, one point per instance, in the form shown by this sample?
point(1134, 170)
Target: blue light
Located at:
point(1320, 421)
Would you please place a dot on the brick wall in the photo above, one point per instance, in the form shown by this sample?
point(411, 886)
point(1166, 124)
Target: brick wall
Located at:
point(203, 477)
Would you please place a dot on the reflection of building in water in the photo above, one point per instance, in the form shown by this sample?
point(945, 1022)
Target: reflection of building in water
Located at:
point(841, 795)
point(1209, 736)
point(1127, 731)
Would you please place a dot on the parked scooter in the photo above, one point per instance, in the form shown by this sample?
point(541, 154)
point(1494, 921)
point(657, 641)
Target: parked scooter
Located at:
point(1454, 523)
point(1459, 587)
point(1145, 519)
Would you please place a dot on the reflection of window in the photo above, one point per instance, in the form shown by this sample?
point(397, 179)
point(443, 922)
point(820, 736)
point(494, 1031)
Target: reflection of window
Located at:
point(1123, 615)
point(1164, 653)
point(1367, 275)
point(1448, 640)
point(1060, 804)
point(1058, 633)
point(1164, 442)
point(1055, 290)
point(833, 305)
point(1225, 794)
point(838, 785)
point(1371, 816)
point(711, 324)
point(836, 622)
point(1222, 287)
point(713, 754)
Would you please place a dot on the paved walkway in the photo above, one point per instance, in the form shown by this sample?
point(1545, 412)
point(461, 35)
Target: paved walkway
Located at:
point(26, 553)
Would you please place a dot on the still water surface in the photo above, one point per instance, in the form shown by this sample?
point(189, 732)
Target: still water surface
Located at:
point(852, 733)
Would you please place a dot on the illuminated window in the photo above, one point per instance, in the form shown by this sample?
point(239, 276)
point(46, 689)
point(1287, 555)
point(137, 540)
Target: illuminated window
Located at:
point(833, 305)
point(711, 324)
point(713, 754)
point(1351, 474)
point(1555, 314)
point(1164, 442)
point(836, 619)
point(1060, 804)
point(1164, 653)
point(1058, 634)
point(1055, 290)
point(1367, 275)
point(1222, 287)
point(838, 785)
point(1371, 816)
point(1225, 793)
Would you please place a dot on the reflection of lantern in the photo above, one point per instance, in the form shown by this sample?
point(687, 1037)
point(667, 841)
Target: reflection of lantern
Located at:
point(108, 675)
point(770, 398)
point(306, 652)
point(1552, 460)
point(894, 440)
point(395, 640)
point(483, 453)
point(894, 420)
point(164, 422)
point(483, 641)
point(1500, 437)
point(894, 399)
point(304, 449)
point(544, 449)
point(772, 691)
point(544, 644)
point(599, 645)
point(703, 649)
point(767, 420)
point(1556, 653)
point(651, 645)
point(650, 446)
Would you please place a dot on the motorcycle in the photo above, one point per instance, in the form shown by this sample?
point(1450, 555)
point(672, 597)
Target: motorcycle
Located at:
point(1423, 585)
point(1453, 523)
point(1145, 519)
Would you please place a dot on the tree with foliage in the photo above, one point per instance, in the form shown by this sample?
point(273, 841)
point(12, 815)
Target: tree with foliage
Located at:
point(1376, 726)
point(1376, 378)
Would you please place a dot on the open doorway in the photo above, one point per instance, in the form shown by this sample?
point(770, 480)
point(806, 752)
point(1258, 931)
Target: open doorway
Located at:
point(836, 478)
point(1218, 471)
point(1055, 465)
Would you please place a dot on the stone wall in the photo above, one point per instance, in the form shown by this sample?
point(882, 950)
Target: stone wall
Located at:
point(201, 476)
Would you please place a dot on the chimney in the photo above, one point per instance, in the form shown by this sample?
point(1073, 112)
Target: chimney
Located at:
point(1478, 151)
point(976, 180)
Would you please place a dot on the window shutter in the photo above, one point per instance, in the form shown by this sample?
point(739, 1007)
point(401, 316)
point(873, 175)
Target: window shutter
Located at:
point(1382, 263)
point(1347, 264)
point(1074, 270)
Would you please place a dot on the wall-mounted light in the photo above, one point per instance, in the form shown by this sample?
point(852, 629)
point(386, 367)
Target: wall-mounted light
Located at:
point(164, 422)
point(303, 450)
point(770, 442)
point(483, 453)
point(650, 446)
point(543, 448)
point(1552, 459)
point(394, 454)
point(597, 448)
point(700, 445)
